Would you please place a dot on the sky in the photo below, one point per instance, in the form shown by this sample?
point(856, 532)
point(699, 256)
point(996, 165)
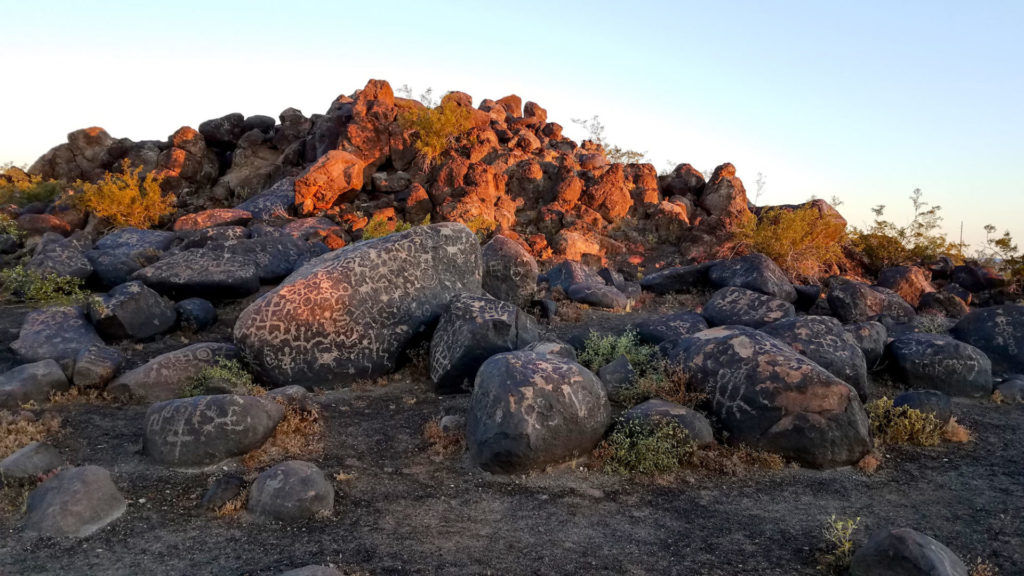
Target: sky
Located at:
point(864, 101)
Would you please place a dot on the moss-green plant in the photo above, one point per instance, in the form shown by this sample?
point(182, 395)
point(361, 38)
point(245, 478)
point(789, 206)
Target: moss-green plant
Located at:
point(600, 349)
point(902, 424)
point(838, 533)
point(224, 374)
point(645, 447)
point(805, 244)
point(125, 198)
point(18, 187)
point(436, 128)
point(42, 289)
point(379, 227)
point(481, 226)
point(9, 227)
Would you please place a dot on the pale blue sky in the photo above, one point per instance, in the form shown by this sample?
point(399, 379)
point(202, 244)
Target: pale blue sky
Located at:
point(863, 100)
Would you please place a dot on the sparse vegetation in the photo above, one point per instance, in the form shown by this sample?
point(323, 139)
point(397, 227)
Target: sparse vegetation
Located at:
point(600, 349)
point(225, 374)
point(663, 380)
point(20, 188)
point(20, 430)
point(885, 243)
point(299, 435)
point(125, 198)
point(802, 242)
point(838, 533)
point(443, 444)
point(892, 425)
point(9, 227)
point(982, 568)
point(615, 154)
point(41, 289)
point(379, 227)
point(436, 128)
point(1002, 253)
point(646, 448)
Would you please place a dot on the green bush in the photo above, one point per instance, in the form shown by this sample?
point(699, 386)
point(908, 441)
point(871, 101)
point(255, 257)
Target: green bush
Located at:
point(436, 128)
point(125, 199)
point(1002, 254)
point(379, 227)
point(600, 349)
point(22, 189)
point(886, 244)
point(801, 241)
point(665, 380)
point(902, 424)
point(650, 447)
point(223, 376)
point(838, 535)
point(9, 227)
point(38, 289)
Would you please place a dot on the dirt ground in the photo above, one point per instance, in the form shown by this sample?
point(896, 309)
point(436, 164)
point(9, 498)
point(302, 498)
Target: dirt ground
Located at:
point(400, 510)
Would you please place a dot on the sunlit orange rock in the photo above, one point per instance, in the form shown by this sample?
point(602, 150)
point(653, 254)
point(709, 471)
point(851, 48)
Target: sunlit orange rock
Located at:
point(336, 175)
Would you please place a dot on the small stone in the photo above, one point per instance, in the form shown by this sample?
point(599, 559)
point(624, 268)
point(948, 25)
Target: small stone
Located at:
point(291, 491)
point(29, 463)
point(196, 314)
point(223, 490)
point(905, 552)
point(618, 376)
point(696, 424)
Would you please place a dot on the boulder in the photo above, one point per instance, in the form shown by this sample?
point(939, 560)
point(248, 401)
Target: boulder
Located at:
point(871, 338)
point(202, 273)
point(676, 325)
point(96, 365)
point(275, 256)
point(679, 279)
point(336, 175)
point(894, 306)
point(57, 333)
point(509, 271)
point(75, 502)
point(168, 375)
point(724, 196)
point(224, 131)
point(1012, 389)
point(855, 302)
point(999, 333)
point(755, 272)
point(471, 330)
point(765, 395)
point(568, 273)
point(111, 268)
point(213, 217)
point(695, 423)
point(205, 430)
point(196, 314)
point(291, 491)
point(277, 202)
point(40, 224)
point(618, 377)
point(529, 410)
point(739, 306)
point(937, 362)
point(943, 304)
point(553, 348)
point(975, 278)
point(125, 241)
point(60, 256)
point(931, 402)
point(910, 282)
point(29, 463)
point(905, 552)
point(827, 344)
point(599, 295)
point(223, 490)
point(350, 314)
point(31, 383)
point(206, 236)
point(131, 311)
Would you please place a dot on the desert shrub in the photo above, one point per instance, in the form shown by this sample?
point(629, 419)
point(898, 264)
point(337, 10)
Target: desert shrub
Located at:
point(600, 349)
point(886, 244)
point(933, 323)
point(125, 199)
point(803, 243)
point(664, 380)
point(41, 289)
point(982, 568)
point(18, 430)
point(22, 189)
point(838, 552)
point(10, 227)
point(224, 373)
point(481, 226)
point(614, 154)
point(299, 435)
point(641, 447)
point(436, 128)
point(379, 227)
point(443, 444)
point(1002, 254)
point(902, 424)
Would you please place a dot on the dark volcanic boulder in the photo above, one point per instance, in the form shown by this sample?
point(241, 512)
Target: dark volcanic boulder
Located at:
point(291, 491)
point(212, 217)
point(202, 273)
point(1012, 389)
point(111, 268)
point(871, 338)
point(75, 502)
point(275, 256)
point(277, 202)
point(942, 303)
point(999, 333)
point(679, 279)
point(29, 463)
point(977, 278)
point(472, 329)
point(940, 363)
point(854, 302)
point(894, 306)
point(823, 340)
point(57, 333)
point(675, 325)
point(351, 313)
point(31, 383)
point(60, 256)
point(695, 424)
point(510, 272)
point(765, 395)
point(927, 402)
point(131, 311)
point(910, 282)
point(188, 239)
point(529, 410)
point(598, 295)
point(168, 375)
point(196, 314)
point(905, 552)
point(754, 272)
point(96, 365)
point(739, 306)
point(206, 430)
point(127, 240)
point(568, 273)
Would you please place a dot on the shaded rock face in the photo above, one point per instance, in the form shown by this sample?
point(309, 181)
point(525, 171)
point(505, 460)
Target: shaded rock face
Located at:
point(755, 272)
point(196, 314)
point(871, 338)
point(275, 256)
point(60, 256)
point(133, 311)
point(931, 402)
point(598, 295)
point(823, 340)
point(472, 329)
point(999, 333)
point(530, 410)
point(206, 430)
point(568, 273)
point(29, 463)
point(940, 363)
point(336, 175)
point(168, 375)
point(942, 303)
point(349, 314)
point(676, 325)
point(96, 365)
point(857, 302)
point(509, 271)
point(276, 202)
point(88, 153)
point(910, 282)
point(127, 240)
point(905, 552)
point(57, 333)
point(764, 394)
point(202, 273)
point(679, 279)
point(741, 307)
point(695, 424)
point(976, 278)
point(31, 383)
point(75, 502)
point(291, 491)
point(724, 196)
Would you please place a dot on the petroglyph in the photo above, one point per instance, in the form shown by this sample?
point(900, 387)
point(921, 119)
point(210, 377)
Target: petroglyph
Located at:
point(742, 307)
point(167, 375)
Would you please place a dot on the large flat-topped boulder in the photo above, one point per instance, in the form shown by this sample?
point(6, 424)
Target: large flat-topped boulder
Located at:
point(350, 314)
point(202, 273)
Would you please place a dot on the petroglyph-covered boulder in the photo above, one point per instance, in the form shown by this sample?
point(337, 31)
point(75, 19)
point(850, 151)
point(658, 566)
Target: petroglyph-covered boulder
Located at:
point(206, 430)
point(213, 217)
point(510, 272)
point(75, 502)
point(854, 302)
point(999, 333)
point(472, 329)
point(940, 363)
point(764, 394)
point(598, 295)
point(823, 340)
point(670, 327)
point(57, 333)
point(131, 310)
point(350, 314)
point(202, 273)
point(128, 240)
point(568, 273)
point(755, 272)
point(31, 383)
point(168, 375)
point(275, 256)
point(276, 202)
point(60, 256)
point(96, 365)
point(905, 552)
point(742, 307)
point(871, 338)
point(291, 491)
point(529, 410)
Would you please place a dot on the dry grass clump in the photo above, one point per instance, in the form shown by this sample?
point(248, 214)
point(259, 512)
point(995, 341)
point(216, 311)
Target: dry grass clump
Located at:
point(666, 381)
point(442, 444)
point(235, 505)
point(77, 395)
point(569, 312)
point(891, 425)
point(225, 374)
point(838, 533)
point(955, 432)
point(299, 435)
point(735, 460)
point(18, 430)
point(983, 568)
